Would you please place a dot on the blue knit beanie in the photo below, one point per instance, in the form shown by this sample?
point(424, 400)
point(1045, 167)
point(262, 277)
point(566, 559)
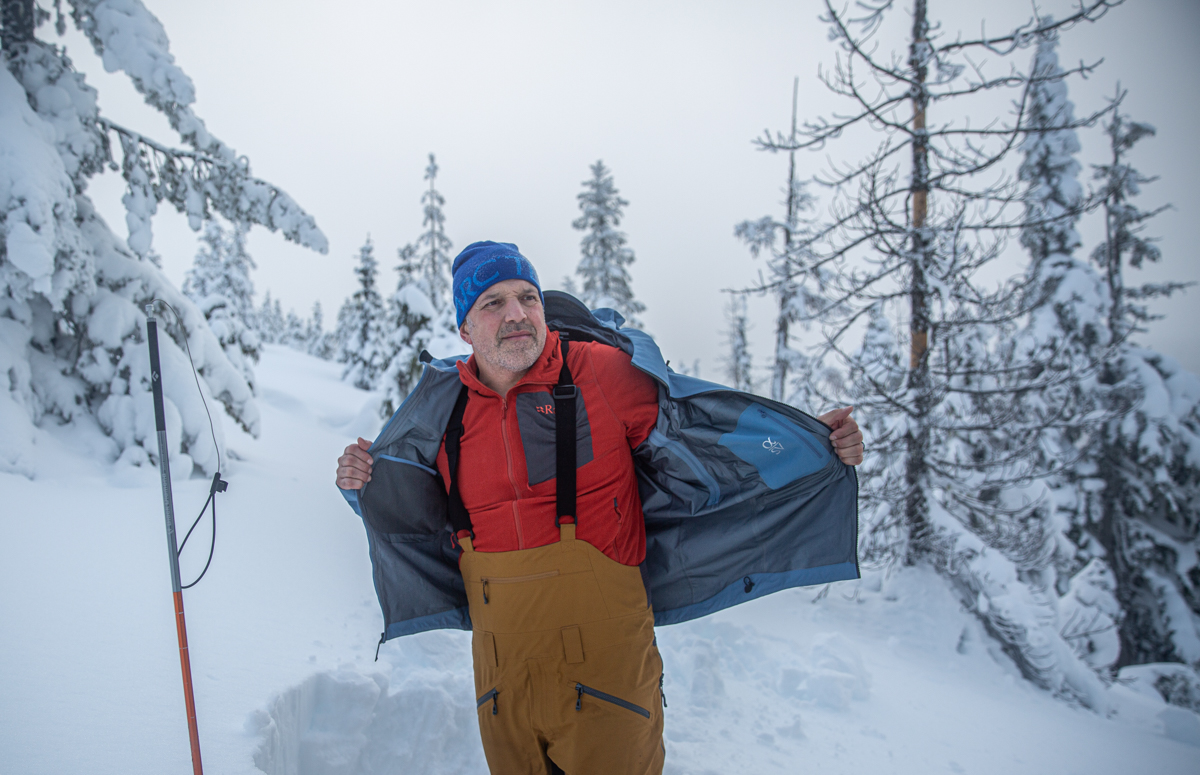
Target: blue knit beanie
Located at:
point(483, 264)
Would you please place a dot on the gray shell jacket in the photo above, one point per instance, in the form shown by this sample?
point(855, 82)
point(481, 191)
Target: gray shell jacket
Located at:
point(742, 495)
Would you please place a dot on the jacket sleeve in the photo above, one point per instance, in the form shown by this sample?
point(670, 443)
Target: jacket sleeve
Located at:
point(631, 393)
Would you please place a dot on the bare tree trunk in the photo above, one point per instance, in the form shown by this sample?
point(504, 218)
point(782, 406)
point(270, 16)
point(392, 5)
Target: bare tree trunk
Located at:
point(1116, 321)
point(786, 292)
point(916, 506)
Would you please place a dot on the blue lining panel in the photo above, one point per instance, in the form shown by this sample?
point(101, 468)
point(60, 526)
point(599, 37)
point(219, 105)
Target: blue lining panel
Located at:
point(427, 469)
point(764, 584)
point(777, 446)
point(685, 454)
point(351, 497)
point(457, 619)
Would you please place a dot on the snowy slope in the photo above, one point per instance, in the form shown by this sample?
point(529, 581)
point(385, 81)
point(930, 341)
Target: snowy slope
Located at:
point(874, 676)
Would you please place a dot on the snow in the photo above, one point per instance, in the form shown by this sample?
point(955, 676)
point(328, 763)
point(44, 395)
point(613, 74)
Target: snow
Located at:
point(36, 198)
point(135, 41)
point(884, 675)
point(129, 38)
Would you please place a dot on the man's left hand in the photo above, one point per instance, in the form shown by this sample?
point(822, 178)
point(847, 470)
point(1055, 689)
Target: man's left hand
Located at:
point(846, 438)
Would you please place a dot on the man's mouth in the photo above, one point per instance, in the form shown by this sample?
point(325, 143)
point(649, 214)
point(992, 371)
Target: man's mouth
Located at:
point(519, 334)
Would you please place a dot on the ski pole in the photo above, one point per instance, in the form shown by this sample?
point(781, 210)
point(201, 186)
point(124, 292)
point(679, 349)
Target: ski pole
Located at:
point(164, 467)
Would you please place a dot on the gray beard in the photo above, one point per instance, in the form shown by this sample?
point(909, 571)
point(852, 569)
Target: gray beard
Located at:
point(512, 356)
point(516, 357)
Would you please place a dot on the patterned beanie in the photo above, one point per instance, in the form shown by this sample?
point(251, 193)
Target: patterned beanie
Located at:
point(483, 264)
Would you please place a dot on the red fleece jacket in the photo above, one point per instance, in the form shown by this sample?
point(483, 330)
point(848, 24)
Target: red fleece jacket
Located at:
point(506, 464)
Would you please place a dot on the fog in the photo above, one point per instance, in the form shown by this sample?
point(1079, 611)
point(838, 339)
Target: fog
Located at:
point(339, 105)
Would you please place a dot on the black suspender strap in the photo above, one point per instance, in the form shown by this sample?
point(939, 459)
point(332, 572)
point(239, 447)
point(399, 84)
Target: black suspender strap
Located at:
point(564, 439)
point(456, 511)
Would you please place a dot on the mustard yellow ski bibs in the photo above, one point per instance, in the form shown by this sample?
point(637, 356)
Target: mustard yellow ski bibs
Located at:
point(566, 668)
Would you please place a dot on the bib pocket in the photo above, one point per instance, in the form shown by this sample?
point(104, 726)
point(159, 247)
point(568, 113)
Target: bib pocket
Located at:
point(486, 581)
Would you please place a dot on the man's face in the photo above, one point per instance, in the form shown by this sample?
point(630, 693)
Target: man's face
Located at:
point(507, 326)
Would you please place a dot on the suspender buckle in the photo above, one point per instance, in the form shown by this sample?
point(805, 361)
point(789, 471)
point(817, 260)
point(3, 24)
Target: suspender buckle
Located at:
point(563, 392)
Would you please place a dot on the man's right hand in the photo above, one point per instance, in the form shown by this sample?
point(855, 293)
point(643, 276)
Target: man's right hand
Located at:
point(354, 466)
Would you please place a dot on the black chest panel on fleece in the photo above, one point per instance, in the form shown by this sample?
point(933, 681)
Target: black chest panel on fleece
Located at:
point(535, 415)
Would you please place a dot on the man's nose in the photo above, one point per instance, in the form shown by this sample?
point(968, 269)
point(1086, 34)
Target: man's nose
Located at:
point(514, 310)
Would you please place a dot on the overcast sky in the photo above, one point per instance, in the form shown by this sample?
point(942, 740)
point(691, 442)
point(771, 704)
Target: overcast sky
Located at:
point(340, 103)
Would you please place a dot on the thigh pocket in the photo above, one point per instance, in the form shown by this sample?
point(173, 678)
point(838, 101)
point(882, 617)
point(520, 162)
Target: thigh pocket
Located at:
point(582, 691)
point(489, 697)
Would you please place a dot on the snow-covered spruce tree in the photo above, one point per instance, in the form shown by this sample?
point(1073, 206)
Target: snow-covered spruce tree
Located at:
point(219, 284)
point(420, 315)
point(1050, 368)
point(317, 341)
point(878, 368)
point(73, 294)
point(602, 272)
point(433, 246)
point(295, 332)
point(912, 224)
point(361, 338)
point(739, 365)
point(1053, 367)
point(1141, 509)
point(410, 317)
point(269, 321)
point(796, 281)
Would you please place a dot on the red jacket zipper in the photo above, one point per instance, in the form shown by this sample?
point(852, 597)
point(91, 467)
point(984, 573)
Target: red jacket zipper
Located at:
point(511, 478)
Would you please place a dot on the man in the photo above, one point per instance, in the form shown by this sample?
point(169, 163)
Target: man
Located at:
point(566, 669)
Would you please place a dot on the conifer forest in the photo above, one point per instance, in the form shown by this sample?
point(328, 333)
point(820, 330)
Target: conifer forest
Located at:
point(970, 222)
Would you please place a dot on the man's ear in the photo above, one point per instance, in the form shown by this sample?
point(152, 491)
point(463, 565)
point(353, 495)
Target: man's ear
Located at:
point(464, 335)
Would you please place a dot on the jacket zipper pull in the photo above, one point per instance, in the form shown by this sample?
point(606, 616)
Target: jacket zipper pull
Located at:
point(578, 696)
point(380, 644)
point(495, 709)
point(661, 693)
point(749, 582)
point(485, 595)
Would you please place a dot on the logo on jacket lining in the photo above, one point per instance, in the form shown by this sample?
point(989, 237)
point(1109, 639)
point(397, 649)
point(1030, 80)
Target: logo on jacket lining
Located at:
point(774, 447)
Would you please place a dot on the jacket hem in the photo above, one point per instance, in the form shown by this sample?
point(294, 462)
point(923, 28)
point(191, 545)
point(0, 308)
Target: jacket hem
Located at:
point(761, 584)
point(456, 619)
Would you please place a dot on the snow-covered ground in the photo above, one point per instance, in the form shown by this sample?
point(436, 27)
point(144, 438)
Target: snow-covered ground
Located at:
point(882, 675)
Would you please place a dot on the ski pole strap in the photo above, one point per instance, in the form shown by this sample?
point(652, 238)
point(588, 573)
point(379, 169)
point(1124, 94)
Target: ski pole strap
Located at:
point(456, 512)
point(218, 485)
point(564, 394)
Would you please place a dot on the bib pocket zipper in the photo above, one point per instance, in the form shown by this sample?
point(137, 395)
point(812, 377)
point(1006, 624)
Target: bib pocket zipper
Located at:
point(581, 690)
point(486, 580)
point(518, 579)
